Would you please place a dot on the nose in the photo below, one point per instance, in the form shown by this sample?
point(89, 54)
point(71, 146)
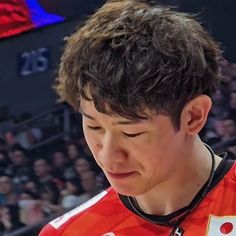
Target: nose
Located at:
point(111, 152)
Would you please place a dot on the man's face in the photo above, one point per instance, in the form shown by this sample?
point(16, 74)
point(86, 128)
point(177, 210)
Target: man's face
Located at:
point(41, 168)
point(82, 165)
point(31, 186)
point(136, 156)
point(18, 158)
point(88, 181)
point(72, 151)
point(5, 185)
point(59, 159)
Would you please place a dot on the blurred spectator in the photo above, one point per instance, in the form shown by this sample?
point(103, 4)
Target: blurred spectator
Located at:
point(31, 186)
point(4, 161)
point(81, 165)
point(49, 198)
point(9, 219)
point(60, 165)
point(10, 139)
point(218, 127)
point(233, 85)
point(30, 210)
point(42, 171)
point(29, 135)
point(89, 183)
point(3, 145)
point(219, 106)
point(73, 151)
point(7, 193)
point(59, 160)
point(229, 129)
point(72, 194)
point(232, 103)
point(19, 168)
point(225, 85)
point(27, 195)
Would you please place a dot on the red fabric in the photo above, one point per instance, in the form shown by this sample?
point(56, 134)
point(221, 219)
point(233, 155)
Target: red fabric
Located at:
point(14, 17)
point(109, 215)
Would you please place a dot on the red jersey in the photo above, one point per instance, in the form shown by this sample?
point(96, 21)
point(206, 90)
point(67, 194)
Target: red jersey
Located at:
point(109, 214)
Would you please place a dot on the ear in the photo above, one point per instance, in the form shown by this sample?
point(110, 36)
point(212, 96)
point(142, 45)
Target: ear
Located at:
point(194, 114)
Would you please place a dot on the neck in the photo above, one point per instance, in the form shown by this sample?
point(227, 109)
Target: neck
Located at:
point(182, 185)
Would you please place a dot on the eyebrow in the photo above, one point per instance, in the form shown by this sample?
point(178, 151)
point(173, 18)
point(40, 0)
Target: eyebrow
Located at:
point(121, 122)
point(86, 115)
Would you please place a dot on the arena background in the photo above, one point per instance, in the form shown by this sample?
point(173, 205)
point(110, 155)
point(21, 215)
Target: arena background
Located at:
point(32, 35)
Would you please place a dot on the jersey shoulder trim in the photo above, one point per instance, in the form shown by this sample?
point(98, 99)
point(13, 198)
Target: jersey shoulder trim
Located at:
point(66, 217)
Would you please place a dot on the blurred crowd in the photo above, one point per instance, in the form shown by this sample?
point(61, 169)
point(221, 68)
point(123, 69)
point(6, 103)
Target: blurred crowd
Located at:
point(36, 184)
point(221, 125)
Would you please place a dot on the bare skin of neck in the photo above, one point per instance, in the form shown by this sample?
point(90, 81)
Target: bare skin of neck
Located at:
point(180, 189)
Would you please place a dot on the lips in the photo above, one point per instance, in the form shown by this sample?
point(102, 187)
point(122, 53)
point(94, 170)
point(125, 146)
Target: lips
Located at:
point(120, 175)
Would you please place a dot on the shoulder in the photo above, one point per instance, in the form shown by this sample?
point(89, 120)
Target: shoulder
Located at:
point(231, 175)
point(81, 215)
point(226, 170)
point(225, 185)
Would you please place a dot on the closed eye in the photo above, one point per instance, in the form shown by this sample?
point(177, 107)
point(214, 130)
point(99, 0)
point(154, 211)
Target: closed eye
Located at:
point(94, 127)
point(133, 135)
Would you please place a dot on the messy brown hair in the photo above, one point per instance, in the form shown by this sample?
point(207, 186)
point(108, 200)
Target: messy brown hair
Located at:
point(130, 56)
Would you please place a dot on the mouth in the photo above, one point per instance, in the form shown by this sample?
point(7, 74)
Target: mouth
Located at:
point(120, 175)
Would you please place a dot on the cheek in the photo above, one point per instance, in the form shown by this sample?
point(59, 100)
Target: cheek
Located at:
point(155, 153)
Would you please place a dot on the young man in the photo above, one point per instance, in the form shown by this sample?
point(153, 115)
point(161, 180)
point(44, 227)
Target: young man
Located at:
point(142, 76)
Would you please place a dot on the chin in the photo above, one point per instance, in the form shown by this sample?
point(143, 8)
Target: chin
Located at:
point(127, 190)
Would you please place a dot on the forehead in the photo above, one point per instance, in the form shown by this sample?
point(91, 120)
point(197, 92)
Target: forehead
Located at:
point(87, 108)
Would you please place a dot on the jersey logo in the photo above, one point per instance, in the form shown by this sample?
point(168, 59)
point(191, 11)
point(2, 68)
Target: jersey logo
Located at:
point(109, 234)
point(221, 226)
point(62, 219)
point(177, 232)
